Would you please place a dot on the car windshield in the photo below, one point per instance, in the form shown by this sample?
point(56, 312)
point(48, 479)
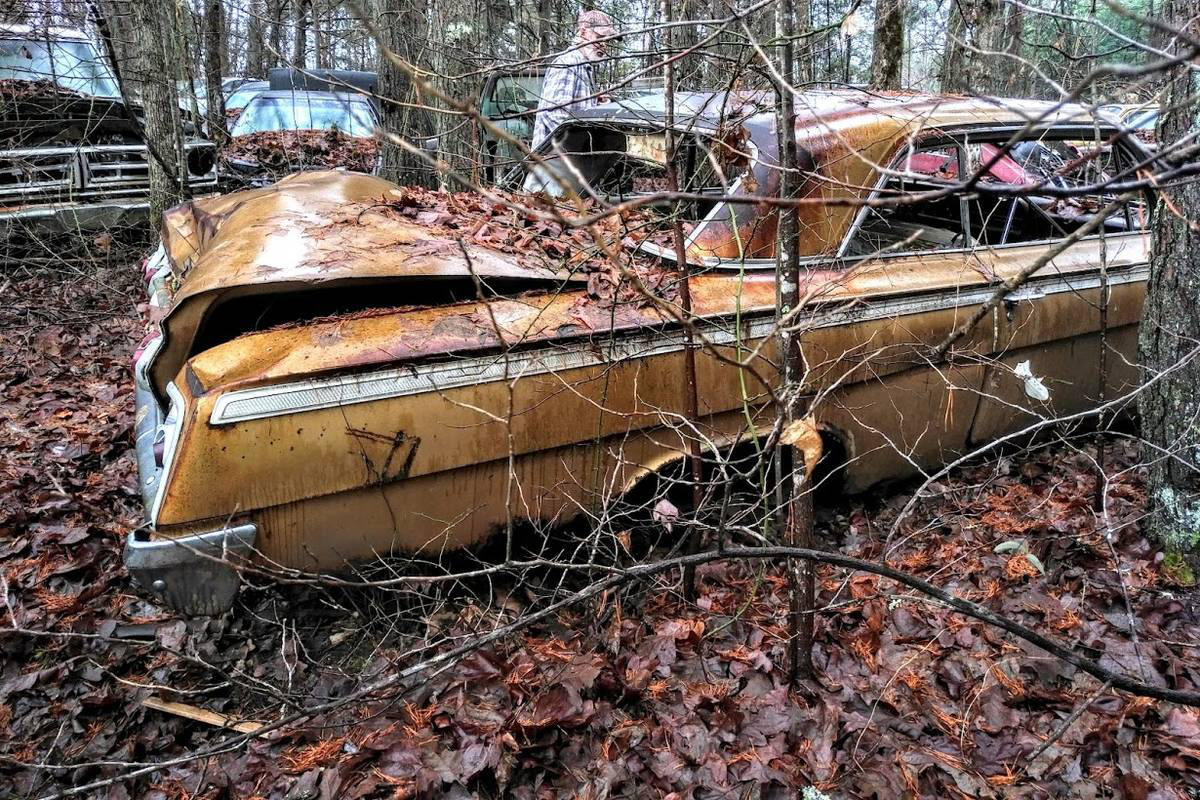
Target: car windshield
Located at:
point(72, 64)
point(1143, 119)
point(300, 113)
point(514, 94)
point(241, 97)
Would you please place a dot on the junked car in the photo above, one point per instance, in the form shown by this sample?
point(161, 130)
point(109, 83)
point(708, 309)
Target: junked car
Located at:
point(1141, 118)
point(72, 155)
point(239, 98)
point(334, 378)
point(285, 131)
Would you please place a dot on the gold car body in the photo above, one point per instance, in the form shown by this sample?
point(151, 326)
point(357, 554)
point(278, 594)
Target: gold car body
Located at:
point(427, 428)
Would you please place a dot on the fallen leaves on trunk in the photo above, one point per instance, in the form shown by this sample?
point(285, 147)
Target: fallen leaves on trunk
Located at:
point(517, 223)
point(279, 153)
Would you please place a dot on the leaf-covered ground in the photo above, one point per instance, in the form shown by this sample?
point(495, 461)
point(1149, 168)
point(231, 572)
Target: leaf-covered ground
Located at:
point(633, 694)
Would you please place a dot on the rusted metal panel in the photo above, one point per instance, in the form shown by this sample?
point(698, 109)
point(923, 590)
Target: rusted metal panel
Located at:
point(399, 420)
point(311, 229)
point(438, 430)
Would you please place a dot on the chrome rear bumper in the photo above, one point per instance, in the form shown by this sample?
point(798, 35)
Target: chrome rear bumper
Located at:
point(194, 574)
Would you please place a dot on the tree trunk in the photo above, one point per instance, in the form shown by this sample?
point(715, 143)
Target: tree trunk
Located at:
point(545, 26)
point(887, 55)
point(155, 45)
point(300, 45)
point(1014, 29)
point(276, 9)
point(1170, 320)
point(971, 36)
point(403, 115)
point(213, 70)
point(119, 20)
point(954, 55)
point(256, 45)
point(320, 35)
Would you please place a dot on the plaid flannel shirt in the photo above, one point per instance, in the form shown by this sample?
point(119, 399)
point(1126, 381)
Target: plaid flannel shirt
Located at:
point(567, 82)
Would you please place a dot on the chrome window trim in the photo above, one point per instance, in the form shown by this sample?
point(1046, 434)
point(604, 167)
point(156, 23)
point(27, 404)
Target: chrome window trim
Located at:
point(668, 253)
point(244, 405)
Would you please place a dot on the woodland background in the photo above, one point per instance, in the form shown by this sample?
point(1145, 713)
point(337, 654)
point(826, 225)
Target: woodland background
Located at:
point(546, 681)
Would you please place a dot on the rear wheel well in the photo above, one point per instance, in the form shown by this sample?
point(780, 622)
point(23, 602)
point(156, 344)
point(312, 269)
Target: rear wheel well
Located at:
point(739, 466)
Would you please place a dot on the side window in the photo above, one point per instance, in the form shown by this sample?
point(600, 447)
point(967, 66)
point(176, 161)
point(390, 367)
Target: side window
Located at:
point(616, 165)
point(896, 224)
point(1036, 214)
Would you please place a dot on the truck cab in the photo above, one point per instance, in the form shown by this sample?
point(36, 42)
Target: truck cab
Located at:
point(72, 155)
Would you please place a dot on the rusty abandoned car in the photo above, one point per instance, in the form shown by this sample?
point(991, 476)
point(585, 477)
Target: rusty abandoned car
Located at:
point(72, 153)
point(329, 383)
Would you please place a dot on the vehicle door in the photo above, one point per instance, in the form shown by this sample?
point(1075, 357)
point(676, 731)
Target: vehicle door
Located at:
point(1073, 323)
point(509, 101)
point(910, 273)
point(938, 255)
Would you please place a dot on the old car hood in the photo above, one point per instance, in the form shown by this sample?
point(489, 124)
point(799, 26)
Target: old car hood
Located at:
point(315, 229)
point(34, 111)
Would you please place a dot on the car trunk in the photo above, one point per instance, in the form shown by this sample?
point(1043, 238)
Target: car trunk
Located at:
point(313, 246)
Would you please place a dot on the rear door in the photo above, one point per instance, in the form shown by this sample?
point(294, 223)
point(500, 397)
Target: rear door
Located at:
point(1075, 320)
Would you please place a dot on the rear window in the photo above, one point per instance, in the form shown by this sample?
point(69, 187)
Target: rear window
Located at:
point(298, 112)
point(617, 165)
point(1042, 168)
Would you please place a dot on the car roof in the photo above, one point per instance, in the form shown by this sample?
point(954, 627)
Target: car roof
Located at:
point(19, 29)
point(283, 94)
point(840, 109)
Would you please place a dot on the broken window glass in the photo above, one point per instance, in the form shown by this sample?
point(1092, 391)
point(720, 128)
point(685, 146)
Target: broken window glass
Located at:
point(617, 165)
point(1029, 207)
point(1036, 214)
point(895, 223)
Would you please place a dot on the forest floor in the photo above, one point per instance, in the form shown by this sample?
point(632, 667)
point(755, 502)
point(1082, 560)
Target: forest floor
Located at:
point(631, 694)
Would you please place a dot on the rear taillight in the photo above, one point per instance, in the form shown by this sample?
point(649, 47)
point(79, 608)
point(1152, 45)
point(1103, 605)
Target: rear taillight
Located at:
point(147, 340)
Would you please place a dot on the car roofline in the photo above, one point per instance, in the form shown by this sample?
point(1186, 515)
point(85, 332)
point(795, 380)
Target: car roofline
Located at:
point(55, 33)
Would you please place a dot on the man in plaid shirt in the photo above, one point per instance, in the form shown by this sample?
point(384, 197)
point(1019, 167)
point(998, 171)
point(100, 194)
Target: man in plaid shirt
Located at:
point(568, 86)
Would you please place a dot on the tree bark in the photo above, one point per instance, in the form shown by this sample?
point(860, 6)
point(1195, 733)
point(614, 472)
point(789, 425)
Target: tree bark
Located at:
point(403, 116)
point(545, 25)
point(1170, 321)
point(320, 35)
point(793, 500)
point(153, 28)
point(887, 55)
point(213, 70)
point(971, 36)
point(276, 10)
point(1014, 29)
point(256, 45)
point(300, 45)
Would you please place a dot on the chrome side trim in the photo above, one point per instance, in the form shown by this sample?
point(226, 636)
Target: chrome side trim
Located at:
point(310, 395)
point(171, 427)
point(192, 574)
point(146, 425)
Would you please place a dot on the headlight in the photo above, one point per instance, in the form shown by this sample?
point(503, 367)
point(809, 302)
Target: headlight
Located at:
point(200, 160)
